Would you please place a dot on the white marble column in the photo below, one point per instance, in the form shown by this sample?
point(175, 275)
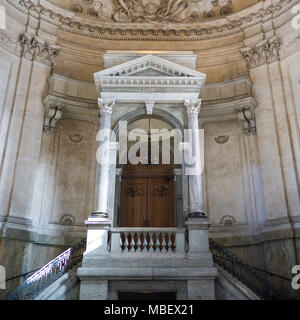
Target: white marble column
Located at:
point(105, 108)
point(194, 163)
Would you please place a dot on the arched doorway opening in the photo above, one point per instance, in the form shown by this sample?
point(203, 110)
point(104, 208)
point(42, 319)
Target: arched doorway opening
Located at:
point(148, 191)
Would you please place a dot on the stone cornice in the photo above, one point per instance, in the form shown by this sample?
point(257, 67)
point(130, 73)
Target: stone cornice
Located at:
point(214, 29)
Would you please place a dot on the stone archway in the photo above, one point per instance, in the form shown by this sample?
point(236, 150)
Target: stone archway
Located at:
point(157, 201)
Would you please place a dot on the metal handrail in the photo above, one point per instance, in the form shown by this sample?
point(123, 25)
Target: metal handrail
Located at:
point(49, 273)
point(255, 279)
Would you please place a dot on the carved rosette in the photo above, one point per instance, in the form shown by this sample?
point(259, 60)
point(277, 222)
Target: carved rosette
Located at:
point(193, 106)
point(106, 106)
point(264, 53)
point(34, 48)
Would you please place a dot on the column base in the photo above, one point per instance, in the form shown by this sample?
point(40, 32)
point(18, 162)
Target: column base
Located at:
point(196, 215)
point(100, 214)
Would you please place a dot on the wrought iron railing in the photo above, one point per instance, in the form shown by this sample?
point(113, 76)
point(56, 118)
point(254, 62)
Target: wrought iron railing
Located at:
point(255, 279)
point(258, 281)
point(48, 274)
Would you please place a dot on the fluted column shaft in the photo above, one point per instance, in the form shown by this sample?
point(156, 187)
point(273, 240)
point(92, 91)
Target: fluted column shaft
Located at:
point(105, 108)
point(194, 164)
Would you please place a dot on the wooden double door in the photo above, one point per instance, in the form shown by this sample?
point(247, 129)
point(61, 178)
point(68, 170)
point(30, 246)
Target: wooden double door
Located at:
point(147, 199)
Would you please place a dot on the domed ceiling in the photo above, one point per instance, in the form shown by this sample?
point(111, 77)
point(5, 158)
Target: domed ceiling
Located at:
point(168, 11)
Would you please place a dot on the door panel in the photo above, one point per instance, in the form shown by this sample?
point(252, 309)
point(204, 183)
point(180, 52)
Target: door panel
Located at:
point(134, 202)
point(147, 202)
point(160, 202)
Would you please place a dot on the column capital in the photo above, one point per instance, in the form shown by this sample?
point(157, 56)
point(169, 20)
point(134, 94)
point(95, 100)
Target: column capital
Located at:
point(193, 106)
point(106, 105)
point(265, 52)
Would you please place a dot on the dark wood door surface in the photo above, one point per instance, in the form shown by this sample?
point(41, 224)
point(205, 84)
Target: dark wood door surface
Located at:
point(147, 202)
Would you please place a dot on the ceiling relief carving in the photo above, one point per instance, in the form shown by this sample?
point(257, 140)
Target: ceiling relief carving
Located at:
point(137, 11)
point(103, 12)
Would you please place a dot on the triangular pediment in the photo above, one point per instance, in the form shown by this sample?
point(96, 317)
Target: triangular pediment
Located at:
point(149, 66)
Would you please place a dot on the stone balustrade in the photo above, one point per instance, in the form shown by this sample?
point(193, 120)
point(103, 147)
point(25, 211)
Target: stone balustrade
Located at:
point(147, 240)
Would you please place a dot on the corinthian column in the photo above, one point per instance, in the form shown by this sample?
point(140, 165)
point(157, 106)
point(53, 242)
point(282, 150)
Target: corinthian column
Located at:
point(193, 165)
point(105, 108)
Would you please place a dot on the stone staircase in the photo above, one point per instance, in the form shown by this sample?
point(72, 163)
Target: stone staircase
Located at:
point(236, 280)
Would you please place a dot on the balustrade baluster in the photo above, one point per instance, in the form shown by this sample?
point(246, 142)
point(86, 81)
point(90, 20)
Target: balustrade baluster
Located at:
point(157, 242)
point(151, 242)
point(170, 249)
point(126, 244)
point(164, 244)
point(145, 242)
point(132, 244)
point(139, 243)
point(121, 243)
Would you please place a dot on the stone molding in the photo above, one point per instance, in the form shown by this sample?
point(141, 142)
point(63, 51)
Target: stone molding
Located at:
point(34, 48)
point(265, 52)
point(246, 117)
point(233, 24)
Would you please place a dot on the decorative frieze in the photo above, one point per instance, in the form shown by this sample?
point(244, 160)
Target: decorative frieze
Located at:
point(53, 113)
point(34, 48)
point(246, 116)
point(166, 29)
point(265, 52)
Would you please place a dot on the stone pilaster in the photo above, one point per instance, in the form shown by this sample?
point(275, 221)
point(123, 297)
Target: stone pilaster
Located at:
point(273, 130)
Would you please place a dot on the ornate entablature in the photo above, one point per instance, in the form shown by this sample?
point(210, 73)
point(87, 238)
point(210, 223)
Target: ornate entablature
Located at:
point(152, 27)
point(149, 78)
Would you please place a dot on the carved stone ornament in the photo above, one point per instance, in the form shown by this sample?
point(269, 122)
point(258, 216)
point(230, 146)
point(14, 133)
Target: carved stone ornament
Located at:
point(34, 48)
point(166, 17)
point(222, 139)
point(67, 219)
point(227, 220)
point(105, 106)
point(246, 116)
point(76, 138)
point(193, 106)
point(264, 52)
point(53, 113)
point(161, 10)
